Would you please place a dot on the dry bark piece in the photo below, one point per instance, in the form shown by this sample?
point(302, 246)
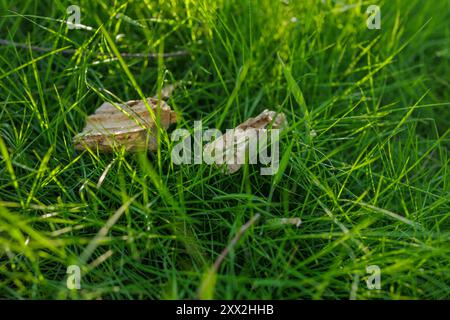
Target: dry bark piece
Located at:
point(241, 135)
point(129, 125)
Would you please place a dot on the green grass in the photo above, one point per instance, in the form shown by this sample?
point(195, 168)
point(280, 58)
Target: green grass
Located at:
point(366, 164)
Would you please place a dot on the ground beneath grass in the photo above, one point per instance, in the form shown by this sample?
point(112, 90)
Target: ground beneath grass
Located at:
point(364, 161)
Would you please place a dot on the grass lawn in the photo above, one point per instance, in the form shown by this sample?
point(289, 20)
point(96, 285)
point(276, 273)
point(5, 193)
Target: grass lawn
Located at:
point(364, 162)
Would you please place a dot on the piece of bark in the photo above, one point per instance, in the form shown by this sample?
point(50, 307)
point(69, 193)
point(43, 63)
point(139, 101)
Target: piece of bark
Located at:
point(241, 135)
point(129, 125)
